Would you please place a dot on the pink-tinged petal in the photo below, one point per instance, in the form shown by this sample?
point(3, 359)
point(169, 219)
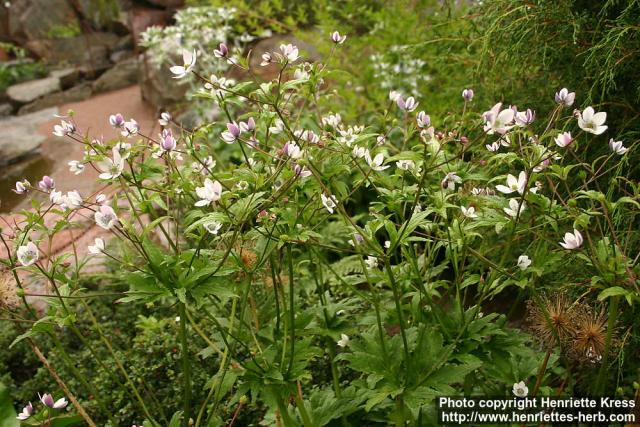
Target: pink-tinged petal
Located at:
point(506, 116)
point(578, 237)
point(187, 57)
point(60, 403)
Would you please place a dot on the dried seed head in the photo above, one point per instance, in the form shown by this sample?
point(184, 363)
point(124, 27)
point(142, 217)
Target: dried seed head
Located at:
point(590, 338)
point(553, 321)
point(249, 258)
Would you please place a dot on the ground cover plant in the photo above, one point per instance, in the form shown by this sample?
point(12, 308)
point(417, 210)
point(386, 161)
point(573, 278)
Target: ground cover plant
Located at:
point(328, 255)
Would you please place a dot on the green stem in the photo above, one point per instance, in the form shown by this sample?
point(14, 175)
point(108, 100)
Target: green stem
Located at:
point(613, 315)
point(186, 366)
point(282, 408)
point(396, 297)
point(292, 317)
point(306, 419)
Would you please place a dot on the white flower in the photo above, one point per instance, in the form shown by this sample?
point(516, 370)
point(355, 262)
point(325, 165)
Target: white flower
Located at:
point(102, 199)
point(27, 411)
point(211, 192)
point(371, 261)
point(22, 187)
point(572, 241)
point(520, 389)
point(387, 244)
point(266, 59)
point(106, 217)
point(514, 184)
point(376, 162)
point(332, 120)
point(524, 118)
point(523, 262)
point(308, 135)
point(289, 51)
point(337, 38)
point(116, 120)
point(617, 147)
point(493, 147)
point(329, 202)
point(564, 139)
point(188, 61)
point(450, 180)
point(514, 208)
point(71, 200)
point(130, 128)
point(27, 254)
point(592, 122)
point(302, 171)
point(97, 247)
point(350, 135)
point(232, 133)
point(469, 212)
point(76, 167)
point(359, 152)
point(394, 95)
point(405, 165)
point(111, 168)
point(222, 51)
point(47, 400)
point(204, 166)
point(278, 127)
point(64, 128)
point(343, 341)
point(213, 227)
point(498, 121)
point(165, 119)
point(292, 150)
point(565, 98)
point(218, 84)
point(408, 104)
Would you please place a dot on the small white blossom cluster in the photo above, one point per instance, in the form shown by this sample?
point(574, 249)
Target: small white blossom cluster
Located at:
point(396, 70)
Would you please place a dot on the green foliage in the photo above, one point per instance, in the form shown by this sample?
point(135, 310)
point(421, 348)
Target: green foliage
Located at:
point(7, 412)
point(64, 31)
point(21, 69)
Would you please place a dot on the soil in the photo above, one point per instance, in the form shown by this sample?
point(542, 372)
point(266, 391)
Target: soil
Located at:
point(92, 118)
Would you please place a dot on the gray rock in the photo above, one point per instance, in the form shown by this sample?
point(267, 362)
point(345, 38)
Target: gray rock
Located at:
point(123, 74)
point(157, 86)
point(78, 93)
point(121, 55)
point(68, 76)
point(167, 3)
point(35, 19)
point(23, 93)
point(6, 109)
point(4, 25)
point(19, 136)
point(141, 18)
point(88, 49)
